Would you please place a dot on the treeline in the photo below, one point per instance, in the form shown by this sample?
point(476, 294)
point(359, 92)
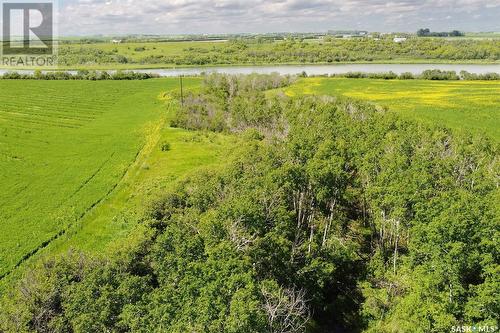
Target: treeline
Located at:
point(428, 33)
point(80, 75)
point(332, 216)
point(295, 51)
point(430, 74)
point(276, 82)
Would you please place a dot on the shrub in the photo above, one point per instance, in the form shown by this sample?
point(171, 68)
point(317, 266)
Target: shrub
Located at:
point(165, 146)
point(436, 74)
point(406, 76)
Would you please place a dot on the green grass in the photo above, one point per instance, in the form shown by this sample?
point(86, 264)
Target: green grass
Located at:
point(472, 106)
point(64, 147)
point(153, 173)
point(88, 183)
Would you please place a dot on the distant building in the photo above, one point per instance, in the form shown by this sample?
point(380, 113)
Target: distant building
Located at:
point(399, 39)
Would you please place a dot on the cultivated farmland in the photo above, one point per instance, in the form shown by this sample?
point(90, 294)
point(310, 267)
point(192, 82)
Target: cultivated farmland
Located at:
point(470, 106)
point(64, 146)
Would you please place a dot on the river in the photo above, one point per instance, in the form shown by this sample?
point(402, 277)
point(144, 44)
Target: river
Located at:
point(328, 69)
point(316, 69)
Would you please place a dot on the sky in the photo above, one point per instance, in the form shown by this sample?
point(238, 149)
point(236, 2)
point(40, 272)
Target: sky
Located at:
point(118, 17)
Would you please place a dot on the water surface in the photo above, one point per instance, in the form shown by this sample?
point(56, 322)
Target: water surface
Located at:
point(312, 69)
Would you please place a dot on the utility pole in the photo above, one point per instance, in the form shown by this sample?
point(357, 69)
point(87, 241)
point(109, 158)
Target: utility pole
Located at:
point(182, 92)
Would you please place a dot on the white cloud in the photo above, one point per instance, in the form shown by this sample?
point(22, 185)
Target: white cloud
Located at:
point(216, 16)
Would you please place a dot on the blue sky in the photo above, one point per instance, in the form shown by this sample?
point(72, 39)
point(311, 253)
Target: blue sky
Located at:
point(85, 17)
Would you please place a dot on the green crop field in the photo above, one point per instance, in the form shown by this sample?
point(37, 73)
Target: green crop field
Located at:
point(66, 146)
point(462, 105)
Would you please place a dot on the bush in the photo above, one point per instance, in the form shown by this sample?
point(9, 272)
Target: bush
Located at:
point(121, 59)
point(165, 146)
point(464, 75)
point(406, 76)
point(436, 74)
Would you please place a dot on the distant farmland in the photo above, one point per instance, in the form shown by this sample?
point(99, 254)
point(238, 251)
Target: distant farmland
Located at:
point(133, 55)
point(461, 105)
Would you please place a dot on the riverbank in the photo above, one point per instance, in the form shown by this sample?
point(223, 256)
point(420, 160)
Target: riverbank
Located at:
point(313, 70)
point(137, 66)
